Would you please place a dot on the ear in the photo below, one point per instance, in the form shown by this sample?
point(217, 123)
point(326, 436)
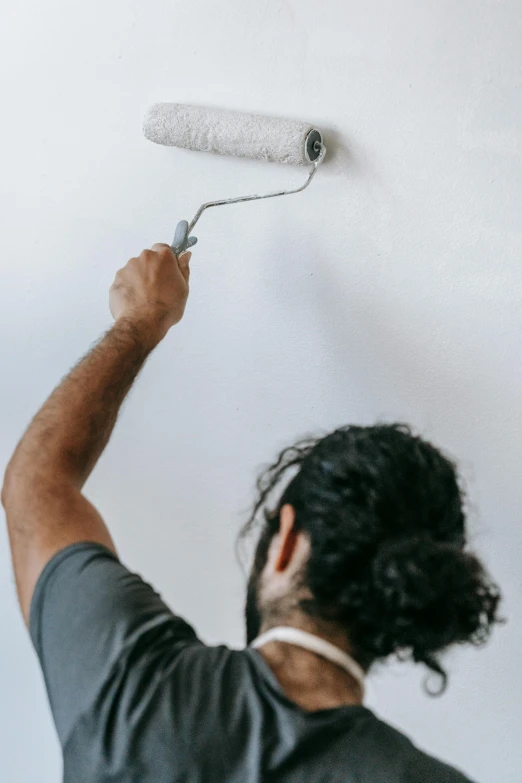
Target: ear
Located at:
point(288, 537)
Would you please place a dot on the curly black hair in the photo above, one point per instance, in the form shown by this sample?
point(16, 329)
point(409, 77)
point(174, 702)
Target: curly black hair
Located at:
point(383, 509)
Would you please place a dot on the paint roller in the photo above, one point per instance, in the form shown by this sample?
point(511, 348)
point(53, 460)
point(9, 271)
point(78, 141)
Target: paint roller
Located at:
point(233, 133)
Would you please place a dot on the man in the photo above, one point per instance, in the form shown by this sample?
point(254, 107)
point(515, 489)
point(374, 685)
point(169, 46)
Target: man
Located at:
point(363, 556)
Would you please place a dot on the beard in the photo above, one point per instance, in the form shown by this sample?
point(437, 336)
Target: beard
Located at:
point(253, 615)
point(253, 618)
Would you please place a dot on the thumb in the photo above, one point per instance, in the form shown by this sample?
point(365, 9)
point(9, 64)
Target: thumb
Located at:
point(183, 263)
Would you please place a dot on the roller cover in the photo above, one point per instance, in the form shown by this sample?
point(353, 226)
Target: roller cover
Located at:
point(227, 132)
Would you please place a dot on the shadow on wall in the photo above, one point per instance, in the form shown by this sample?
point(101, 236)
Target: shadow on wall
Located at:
point(339, 154)
point(347, 158)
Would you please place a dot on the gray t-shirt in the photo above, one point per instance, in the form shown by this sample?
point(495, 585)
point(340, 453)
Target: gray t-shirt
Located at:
point(138, 698)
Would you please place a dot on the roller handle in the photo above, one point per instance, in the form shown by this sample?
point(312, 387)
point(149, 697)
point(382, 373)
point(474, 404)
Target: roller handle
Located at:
point(182, 241)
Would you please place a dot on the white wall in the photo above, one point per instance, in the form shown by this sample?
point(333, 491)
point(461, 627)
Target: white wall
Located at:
point(391, 289)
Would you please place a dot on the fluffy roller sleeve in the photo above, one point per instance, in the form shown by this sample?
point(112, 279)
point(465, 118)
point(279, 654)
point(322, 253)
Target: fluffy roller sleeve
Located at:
point(232, 133)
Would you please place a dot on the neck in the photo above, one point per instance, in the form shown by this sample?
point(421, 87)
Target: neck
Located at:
point(307, 678)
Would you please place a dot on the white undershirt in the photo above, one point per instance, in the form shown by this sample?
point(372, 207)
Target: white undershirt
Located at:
point(316, 644)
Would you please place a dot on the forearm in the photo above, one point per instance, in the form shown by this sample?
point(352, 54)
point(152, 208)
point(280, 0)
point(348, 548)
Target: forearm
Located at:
point(45, 508)
point(68, 434)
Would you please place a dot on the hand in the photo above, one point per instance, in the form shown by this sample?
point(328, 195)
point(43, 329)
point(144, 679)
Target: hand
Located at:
point(152, 290)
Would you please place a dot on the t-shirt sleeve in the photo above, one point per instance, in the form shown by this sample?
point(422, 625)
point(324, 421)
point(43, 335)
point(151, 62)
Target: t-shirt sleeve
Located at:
point(94, 624)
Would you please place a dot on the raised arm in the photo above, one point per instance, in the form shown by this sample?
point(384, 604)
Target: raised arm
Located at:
point(41, 494)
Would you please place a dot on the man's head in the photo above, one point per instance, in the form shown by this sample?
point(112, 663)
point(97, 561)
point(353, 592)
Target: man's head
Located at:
point(369, 536)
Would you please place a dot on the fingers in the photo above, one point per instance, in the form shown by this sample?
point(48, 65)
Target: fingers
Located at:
point(183, 263)
point(161, 247)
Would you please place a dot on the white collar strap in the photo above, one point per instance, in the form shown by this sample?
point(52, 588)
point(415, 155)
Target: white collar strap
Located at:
point(316, 644)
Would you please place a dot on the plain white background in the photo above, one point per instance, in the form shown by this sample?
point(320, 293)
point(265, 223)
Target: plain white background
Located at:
point(391, 289)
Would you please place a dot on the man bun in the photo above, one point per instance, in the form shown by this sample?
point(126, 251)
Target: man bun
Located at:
point(420, 597)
